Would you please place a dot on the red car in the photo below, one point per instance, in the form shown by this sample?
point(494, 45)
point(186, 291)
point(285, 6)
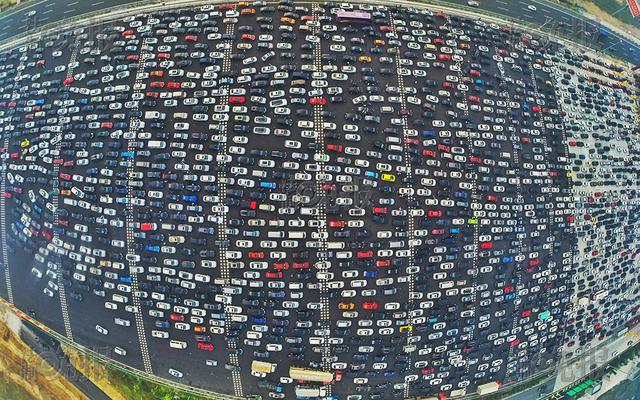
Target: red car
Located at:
point(107, 125)
point(383, 263)
point(301, 265)
point(318, 101)
point(68, 81)
point(486, 245)
point(364, 254)
point(380, 210)
point(249, 37)
point(429, 153)
point(370, 305)
point(205, 346)
point(279, 266)
point(336, 224)
point(474, 72)
point(437, 231)
point(191, 38)
point(444, 57)
point(236, 100)
point(256, 254)
point(177, 317)
point(434, 213)
point(153, 95)
point(157, 84)
point(274, 275)
point(448, 85)
point(335, 147)
point(128, 32)
point(157, 74)
point(146, 226)
point(164, 55)
point(133, 57)
point(173, 85)
point(474, 99)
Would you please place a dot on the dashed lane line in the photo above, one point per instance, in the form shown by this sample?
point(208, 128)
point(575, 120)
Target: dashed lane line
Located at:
point(56, 198)
point(132, 257)
point(320, 158)
point(220, 210)
point(407, 171)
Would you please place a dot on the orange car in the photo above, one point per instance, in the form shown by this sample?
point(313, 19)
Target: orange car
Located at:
point(346, 306)
point(248, 11)
point(287, 20)
point(200, 329)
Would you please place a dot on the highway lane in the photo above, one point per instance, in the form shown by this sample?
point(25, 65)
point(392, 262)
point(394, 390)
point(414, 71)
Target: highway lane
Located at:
point(166, 362)
point(555, 18)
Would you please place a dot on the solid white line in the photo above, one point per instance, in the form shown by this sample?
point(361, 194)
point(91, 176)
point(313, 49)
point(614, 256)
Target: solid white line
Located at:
point(69, 11)
point(98, 3)
point(46, 12)
point(73, 4)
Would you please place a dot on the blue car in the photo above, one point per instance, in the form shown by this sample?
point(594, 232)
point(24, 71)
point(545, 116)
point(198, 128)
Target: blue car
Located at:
point(268, 185)
point(191, 198)
point(153, 249)
point(371, 274)
point(371, 174)
point(126, 279)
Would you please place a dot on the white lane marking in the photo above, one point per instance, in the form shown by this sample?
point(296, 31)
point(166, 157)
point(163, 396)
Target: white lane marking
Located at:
point(98, 3)
point(69, 11)
point(73, 4)
point(22, 9)
point(134, 127)
point(45, 12)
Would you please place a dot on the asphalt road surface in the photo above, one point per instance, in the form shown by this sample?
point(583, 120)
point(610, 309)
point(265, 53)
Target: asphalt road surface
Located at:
point(551, 17)
point(490, 289)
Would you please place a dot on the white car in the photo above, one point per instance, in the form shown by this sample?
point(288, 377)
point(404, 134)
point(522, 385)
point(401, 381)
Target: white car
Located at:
point(175, 373)
point(532, 7)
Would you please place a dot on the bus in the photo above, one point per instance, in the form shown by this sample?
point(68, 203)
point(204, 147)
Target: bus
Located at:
point(353, 16)
point(310, 375)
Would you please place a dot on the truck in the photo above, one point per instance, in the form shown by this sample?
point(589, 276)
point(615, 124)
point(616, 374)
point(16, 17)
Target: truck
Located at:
point(490, 387)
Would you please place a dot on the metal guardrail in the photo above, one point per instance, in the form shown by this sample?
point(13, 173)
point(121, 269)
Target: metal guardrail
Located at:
point(113, 363)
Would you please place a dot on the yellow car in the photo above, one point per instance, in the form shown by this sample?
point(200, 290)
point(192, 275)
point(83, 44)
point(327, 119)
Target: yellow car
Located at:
point(388, 177)
point(364, 59)
point(378, 42)
point(25, 143)
point(346, 306)
point(287, 20)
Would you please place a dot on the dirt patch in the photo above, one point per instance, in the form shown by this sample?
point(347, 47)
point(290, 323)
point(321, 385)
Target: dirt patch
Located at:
point(595, 10)
point(24, 375)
